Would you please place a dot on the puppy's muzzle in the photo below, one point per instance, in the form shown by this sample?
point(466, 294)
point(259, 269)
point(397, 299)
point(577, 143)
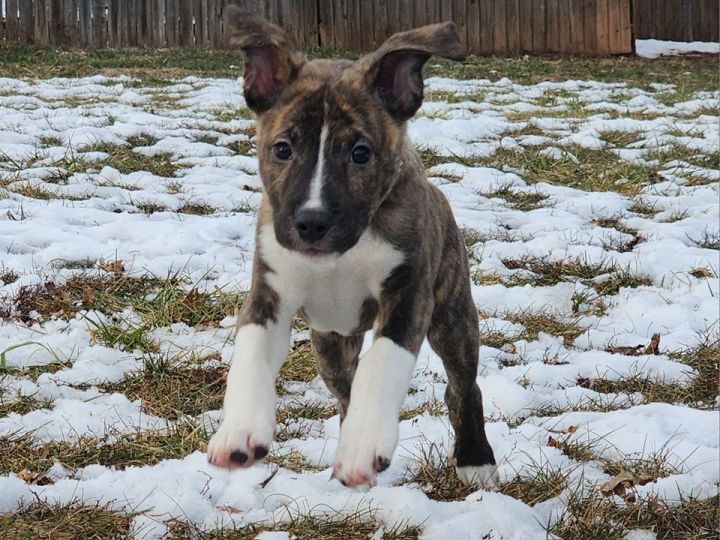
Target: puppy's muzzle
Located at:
point(313, 224)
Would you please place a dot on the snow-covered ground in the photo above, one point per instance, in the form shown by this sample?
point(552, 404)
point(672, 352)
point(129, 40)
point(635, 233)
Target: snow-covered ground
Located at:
point(97, 212)
point(652, 48)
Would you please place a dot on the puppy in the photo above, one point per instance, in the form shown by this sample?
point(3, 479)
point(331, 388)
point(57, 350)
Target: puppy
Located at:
point(350, 236)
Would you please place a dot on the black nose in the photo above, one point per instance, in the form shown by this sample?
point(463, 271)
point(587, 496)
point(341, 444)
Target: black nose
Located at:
point(312, 225)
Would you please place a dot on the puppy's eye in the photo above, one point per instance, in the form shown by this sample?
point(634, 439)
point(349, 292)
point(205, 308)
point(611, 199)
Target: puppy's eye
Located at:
point(282, 151)
point(360, 154)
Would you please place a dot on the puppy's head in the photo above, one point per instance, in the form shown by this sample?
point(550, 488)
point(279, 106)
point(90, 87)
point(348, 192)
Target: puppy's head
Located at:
point(330, 133)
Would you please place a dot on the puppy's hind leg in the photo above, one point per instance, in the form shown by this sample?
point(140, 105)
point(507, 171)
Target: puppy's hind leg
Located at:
point(337, 358)
point(454, 336)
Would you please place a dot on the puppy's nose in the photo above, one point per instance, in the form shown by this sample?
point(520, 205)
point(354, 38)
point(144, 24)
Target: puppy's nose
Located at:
point(313, 225)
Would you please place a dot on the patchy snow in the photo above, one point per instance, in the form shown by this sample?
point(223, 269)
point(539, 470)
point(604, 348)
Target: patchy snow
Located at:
point(652, 48)
point(98, 211)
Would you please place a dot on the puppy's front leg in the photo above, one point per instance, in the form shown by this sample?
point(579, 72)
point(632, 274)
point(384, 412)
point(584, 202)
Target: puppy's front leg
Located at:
point(369, 434)
point(248, 422)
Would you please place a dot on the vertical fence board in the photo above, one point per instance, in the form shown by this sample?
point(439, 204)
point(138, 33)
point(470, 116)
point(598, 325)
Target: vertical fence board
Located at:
point(185, 24)
point(473, 26)
point(513, 26)
point(527, 29)
point(41, 33)
point(500, 27)
point(601, 27)
point(325, 22)
point(27, 21)
point(590, 26)
point(85, 22)
point(460, 18)
point(379, 20)
point(12, 25)
point(419, 14)
point(539, 26)
point(486, 26)
point(171, 23)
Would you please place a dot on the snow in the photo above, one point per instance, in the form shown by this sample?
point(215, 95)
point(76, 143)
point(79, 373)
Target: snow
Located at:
point(652, 48)
point(96, 213)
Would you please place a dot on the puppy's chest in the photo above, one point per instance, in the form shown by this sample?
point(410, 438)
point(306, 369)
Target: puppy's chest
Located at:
point(334, 294)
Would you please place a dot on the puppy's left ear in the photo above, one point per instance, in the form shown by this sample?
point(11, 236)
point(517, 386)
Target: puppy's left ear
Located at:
point(394, 71)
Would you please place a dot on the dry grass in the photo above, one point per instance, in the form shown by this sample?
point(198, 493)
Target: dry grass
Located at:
point(435, 475)
point(127, 161)
point(594, 517)
point(314, 524)
point(700, 393)
point(533, 323)
point(524, 201)
point(20, 453)
point(544, 483)
point(65, 522)
point(172, 389)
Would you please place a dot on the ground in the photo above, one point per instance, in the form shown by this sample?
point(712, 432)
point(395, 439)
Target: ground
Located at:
point(587, 191)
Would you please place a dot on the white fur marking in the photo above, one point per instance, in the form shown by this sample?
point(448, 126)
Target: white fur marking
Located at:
point(330, 288)
point(316, 183)
point(484, 476)
point(370, 429)
point(249, 404)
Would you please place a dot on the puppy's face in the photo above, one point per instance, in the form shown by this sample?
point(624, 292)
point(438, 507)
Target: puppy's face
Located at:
point(329, 134)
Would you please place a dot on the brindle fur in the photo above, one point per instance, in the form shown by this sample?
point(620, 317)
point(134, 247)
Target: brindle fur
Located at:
point(429, 293)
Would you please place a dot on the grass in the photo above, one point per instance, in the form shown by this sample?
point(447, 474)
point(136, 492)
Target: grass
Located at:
point(689, 73)
point(172, 389)
point(604, 276)
point(578, 167)
point(534, 322)
point(435, 475)
point(126, 160)
point(542, 484)
point(524, 201)
point(64, 522)
point(594, 517)
point(119, 450)
point(320, 523)
point(701, 392)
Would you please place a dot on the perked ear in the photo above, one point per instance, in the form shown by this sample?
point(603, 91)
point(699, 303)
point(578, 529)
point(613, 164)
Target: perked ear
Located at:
point(395, 69)
point(270, 61)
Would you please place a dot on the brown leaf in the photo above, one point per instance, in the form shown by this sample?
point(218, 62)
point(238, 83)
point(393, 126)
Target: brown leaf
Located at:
point(618, 485)
point(654, 345)
point(701, 272)
point(112, 267)
point(627, 351)
point(36, 478)
point(584, 382)
point(553, 442)
point(572, 429)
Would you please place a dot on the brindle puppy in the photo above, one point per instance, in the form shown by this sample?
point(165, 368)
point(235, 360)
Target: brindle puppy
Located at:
point(352, 236)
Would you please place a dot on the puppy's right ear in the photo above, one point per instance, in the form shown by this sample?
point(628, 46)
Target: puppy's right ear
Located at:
point(270, 61)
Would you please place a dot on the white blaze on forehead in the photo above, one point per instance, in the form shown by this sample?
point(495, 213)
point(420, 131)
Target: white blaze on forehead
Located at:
point(316, 183)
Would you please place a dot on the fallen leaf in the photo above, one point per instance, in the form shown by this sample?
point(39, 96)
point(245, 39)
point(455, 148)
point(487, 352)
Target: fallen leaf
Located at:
point(627, 351)
point(654, 345)
point(618, 485)
point(572, 429)
point(553, 442)
point(584, 382)
point(36, 478)
point(701, 272)
point(112, 267)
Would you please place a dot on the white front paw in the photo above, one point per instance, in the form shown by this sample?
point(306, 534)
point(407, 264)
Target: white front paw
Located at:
point(366, 447)
point(233, 446)
point(483, 476)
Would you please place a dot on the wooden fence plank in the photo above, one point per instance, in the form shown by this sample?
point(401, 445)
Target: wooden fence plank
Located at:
point(513, 26)
point(525, 18)
point(627, 42)
point(487, 10)
point(27, 21)
point(171, 23)
point(460, 18)
point(577, 22)
point(473, 26)
point(367, 33)
point(325, 23)
point(41, 33)
point(565, 26)
point(552, 26)
point(185, 24)
point(539, 26)
point(590, 26)
point(602, 19)
point(12, 24)
point(500, 27)
point(85, 22)
point(99, 24)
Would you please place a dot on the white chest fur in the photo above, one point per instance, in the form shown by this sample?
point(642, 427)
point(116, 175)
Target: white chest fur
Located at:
point(330, 289)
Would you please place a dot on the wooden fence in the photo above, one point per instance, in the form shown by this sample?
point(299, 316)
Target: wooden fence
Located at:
point(486, 26)
point(677, 20)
